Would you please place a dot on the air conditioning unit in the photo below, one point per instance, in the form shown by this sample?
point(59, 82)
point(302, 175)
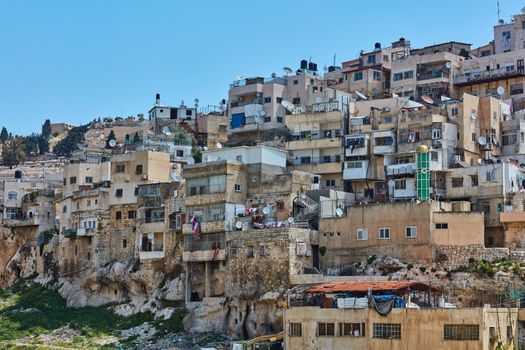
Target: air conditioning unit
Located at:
point(385, 109)
point(144, 176)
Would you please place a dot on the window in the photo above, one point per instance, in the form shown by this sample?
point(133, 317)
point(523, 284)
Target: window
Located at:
point(12, 195)
point(88, 203)
point(306, 160)
point(267, 100)
point(295, 330)
point(473, 180)
point(279, 205)
point(398, 76)
point(296, 100)
point(436, 134)
point(267, 119)
point(132, 214)
point(120, 168)
point(78, 205)
point(233, 251)
point(189, 112)
point(474, 137)
point(179, 153)
point(387, 331)
point(410, 232)
point(400, 184)
point(249, 252)
point(354, 165)
point(279, 99)
point(124, 243)
point(138, 169)
point(408, 74)
point(237, 187)
point(461, 332)
point(362, 234)
point(376, 75)
point(118, 215)
point(239, 159)
point(119, 192)
point(457, 182)
point(72, 180)
point(489, 176)
point(325, 329)
point(358, 76)
point(509, 329)
point(442, 226)
point(385, 58)
point(296, 82)
point(279, 119)
point(384, 233)
point(330, 183)
point(89, 180)
point(352, 329)
point(371, 59)
point(262, 251)
point(64, 209)
point(510, 139)
point(314, 89)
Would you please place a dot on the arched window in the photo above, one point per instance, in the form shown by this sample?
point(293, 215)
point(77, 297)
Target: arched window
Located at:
point(12, 195)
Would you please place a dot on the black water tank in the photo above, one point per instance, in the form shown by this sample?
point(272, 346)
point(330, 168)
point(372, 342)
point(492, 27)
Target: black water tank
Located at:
point(315, 67)
point(377, 46)
point(310, 66)
point(18, 174)
point(304, 64)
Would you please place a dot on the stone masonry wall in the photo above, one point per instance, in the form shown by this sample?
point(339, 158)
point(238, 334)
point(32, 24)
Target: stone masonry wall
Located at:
point(452, 257)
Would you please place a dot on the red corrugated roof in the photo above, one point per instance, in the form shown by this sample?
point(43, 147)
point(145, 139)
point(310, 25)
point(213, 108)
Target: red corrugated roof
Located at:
point(364, 286)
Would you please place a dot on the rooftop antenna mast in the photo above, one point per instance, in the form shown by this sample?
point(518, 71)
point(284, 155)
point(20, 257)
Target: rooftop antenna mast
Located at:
point(334, 59)
point(498, 11)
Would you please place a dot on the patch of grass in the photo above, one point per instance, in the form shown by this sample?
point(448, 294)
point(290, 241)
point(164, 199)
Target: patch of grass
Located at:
point(44, 310)
point(171, 325)
point(211, 338)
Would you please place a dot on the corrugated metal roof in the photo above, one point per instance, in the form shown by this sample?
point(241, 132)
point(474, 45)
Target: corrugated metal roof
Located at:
point(375, 286)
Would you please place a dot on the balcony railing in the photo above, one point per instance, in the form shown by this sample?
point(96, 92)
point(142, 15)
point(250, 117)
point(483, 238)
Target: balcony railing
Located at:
point(255, 101)
point(316, 160)
point(251, 81)
point(433, 75)
point(69, 233)
point(159, 247)
point(493, 74)
point(205, 242)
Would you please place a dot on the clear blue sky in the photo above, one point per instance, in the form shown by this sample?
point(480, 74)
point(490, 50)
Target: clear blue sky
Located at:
point(73, 61)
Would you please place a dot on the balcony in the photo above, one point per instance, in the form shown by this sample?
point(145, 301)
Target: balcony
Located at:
point(401, 169)
point(358, 170)
point(155, 254)
point(206, 248)
point(356, 146)
point(384, 142)
point(69, 233)
point(207, 227)
point(315, 142)
point(157, 226)
point(319, 168)
point(433, 75)
point(487, 76)
point(85, 232)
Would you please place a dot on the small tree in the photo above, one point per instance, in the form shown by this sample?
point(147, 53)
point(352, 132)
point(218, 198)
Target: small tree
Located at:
point(13, 152)
point(4, 135)
point(46, 129)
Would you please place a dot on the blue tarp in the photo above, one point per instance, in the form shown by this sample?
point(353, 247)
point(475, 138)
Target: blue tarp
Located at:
point(238, 120)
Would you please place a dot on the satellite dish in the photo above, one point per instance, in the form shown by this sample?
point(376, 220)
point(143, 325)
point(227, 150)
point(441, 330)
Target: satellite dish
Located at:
point(482, 141)
point(291, 220)
point(287, 70)
point(395, 95)
point(191, 161)
point(302, 109)
point(374, 91)
point(445, 98)
point(448, 64)
point(112, 143)
point(288, 105)
point(339, 212)
point(150, 236)
point(361, 96)
point(274, 75)
point(474, 115)
point(500, 90)
point(168, 133)
point(391, 183)
point(238, 77)
point(267, 210)
point(238, 224)
point(196, 101)
point(165, 130)
point(480, 161)
point(219, 145)
point(318, 99)
point(204, 148)
point(427, 99)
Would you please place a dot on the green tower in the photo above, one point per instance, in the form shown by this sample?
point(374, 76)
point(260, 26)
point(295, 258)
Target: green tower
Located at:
point(423, 173)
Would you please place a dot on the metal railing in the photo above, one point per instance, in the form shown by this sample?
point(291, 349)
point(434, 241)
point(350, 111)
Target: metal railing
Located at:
point(487, 75)
point(259, 80)
point(433, 75)
point(316, 160)
point(205, 242)
point(255, 101)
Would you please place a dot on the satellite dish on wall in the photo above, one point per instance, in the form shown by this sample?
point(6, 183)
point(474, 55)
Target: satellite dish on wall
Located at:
point(267, 210)
point(427, 99)
point(191, 161)
point(291, 220)
point(361, 96)
point(448, 64)
point(395, 95)
point(391, 183)
point(500, 90)
point(287, 70)
point(238, 224)
point(339, 212)
point(288, 105)
point(318, 99)
point(482, 141)
point(112, 143)
point(219, 145)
